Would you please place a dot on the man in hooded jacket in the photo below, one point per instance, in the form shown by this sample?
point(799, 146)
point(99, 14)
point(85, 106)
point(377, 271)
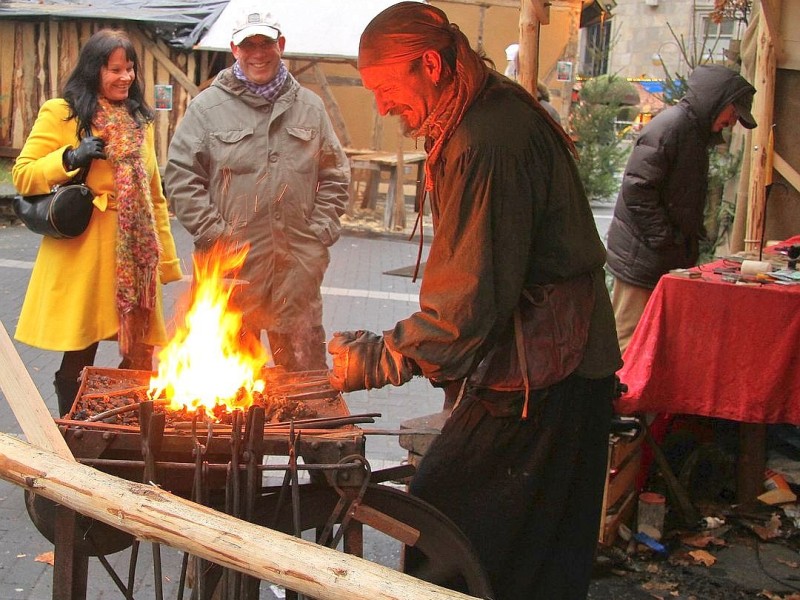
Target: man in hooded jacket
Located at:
point(255, 161)
point(658, 218)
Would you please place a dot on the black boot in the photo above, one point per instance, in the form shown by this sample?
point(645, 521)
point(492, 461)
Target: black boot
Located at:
point(66, 391)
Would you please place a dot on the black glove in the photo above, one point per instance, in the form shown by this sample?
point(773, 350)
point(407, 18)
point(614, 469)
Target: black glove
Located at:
point(91, 147)
point(361, 361)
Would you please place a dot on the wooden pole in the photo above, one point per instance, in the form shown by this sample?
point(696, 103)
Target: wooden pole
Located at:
point(532, 13)
point(26, 403)
point(763, 107)
point(153, 514)
point(399, 220)
point(161, 54)
point(332, 105)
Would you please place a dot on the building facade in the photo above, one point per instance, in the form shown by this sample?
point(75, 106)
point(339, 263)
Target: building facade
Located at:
point(641, 34)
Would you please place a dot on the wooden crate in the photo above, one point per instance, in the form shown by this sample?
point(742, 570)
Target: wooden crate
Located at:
point(620, 489)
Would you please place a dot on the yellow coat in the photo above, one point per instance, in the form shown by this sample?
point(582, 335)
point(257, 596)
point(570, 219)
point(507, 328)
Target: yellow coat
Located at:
point(70, 301)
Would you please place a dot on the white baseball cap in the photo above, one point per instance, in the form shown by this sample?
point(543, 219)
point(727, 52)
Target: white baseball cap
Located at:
point(255, 22)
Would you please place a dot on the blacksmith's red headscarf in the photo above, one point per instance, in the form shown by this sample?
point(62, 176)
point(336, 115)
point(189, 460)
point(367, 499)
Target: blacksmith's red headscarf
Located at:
point(404, 32)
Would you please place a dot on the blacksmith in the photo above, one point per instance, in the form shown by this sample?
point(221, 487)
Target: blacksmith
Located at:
point(515, 321)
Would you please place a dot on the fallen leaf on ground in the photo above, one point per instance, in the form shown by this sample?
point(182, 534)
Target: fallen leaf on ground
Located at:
point(702, 540)
point(703, 557)
point(771, 530)
point(788, 563)
point(46, 557)
point(659, 586)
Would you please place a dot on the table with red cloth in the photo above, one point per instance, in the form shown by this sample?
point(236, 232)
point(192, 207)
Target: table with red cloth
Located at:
point(712, 348)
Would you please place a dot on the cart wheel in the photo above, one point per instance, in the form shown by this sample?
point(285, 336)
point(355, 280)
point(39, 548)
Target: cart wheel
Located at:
point(92, 538)
point(446, 557)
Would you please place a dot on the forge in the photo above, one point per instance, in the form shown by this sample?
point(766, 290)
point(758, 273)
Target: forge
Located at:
point(214, 426)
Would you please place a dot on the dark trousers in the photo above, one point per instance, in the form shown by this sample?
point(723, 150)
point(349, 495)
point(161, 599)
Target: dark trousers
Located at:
point(527, 493)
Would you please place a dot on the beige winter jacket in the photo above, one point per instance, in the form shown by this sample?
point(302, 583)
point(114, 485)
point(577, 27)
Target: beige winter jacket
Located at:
point(275, 177)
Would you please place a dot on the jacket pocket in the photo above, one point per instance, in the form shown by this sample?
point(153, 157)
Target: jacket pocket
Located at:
point(232, 150)
point(300, 153)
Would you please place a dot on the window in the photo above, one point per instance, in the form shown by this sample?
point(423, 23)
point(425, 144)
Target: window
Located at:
point(716, 37)
point(596, 48)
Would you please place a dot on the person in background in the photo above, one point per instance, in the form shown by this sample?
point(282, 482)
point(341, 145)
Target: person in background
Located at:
point(512, 62)
point(103, 284)
point(515, 322)
point(255, 161)
point(658, 218)
point(543, 96)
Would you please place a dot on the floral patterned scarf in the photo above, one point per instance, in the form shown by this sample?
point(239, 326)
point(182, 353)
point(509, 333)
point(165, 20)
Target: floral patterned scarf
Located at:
point(137, 242)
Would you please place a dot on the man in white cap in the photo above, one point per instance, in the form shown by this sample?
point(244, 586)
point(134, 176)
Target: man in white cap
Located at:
point(255, 161)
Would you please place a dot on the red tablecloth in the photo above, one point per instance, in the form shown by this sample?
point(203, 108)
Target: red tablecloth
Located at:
point(716, 349)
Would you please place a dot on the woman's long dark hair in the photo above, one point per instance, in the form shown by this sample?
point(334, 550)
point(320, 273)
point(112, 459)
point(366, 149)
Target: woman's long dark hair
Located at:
point(83, 84)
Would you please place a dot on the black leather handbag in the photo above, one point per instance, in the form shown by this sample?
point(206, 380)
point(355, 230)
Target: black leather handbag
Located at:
point(63, 213)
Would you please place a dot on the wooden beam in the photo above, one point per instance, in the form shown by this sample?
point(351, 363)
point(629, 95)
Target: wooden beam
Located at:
point(377, 127)
point(162, 56)
point(763, 108)
point(26, 403)
point(332, 105)
point(52, 45)
point(529, 21)
point(333, 80)
point(486, 3)
point(786, 171)
point(154, 515)
point(542, 10)
point(771, 11)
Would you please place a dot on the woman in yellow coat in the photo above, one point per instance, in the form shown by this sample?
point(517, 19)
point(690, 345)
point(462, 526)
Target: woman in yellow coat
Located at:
point(102, 285)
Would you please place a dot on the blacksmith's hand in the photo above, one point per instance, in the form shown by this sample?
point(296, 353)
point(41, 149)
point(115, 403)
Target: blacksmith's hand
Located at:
point(361, 361)
point(91, 147)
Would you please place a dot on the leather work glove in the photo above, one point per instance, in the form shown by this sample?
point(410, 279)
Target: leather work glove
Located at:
point(361, 361)
point(91, 147)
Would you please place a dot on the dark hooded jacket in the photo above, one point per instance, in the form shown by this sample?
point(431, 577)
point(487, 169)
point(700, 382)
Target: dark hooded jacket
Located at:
point(658, 218)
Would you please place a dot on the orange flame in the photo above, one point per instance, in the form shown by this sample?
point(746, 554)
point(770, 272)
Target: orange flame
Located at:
point(207, 362)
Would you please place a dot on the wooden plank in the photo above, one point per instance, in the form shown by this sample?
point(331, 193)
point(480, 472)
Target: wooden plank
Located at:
point(70, 47)
point(529, 22)
point(377, 125)
point(52, 61)
point(41, 64)
point(162, 56)
point(751, 462)
point(763, 107)
point(486, 3)
point(333, 80)
point(8, 152)
point(7, 34)
point(389, 159)
point(154, 515)
point(179, 109)
point(771, 11)
point(335, 113)
point(786, 171)
point(25, 401)
point(25, 101)
point(398, 220)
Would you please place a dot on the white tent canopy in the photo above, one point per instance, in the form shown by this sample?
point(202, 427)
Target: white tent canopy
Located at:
point(328, 29)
